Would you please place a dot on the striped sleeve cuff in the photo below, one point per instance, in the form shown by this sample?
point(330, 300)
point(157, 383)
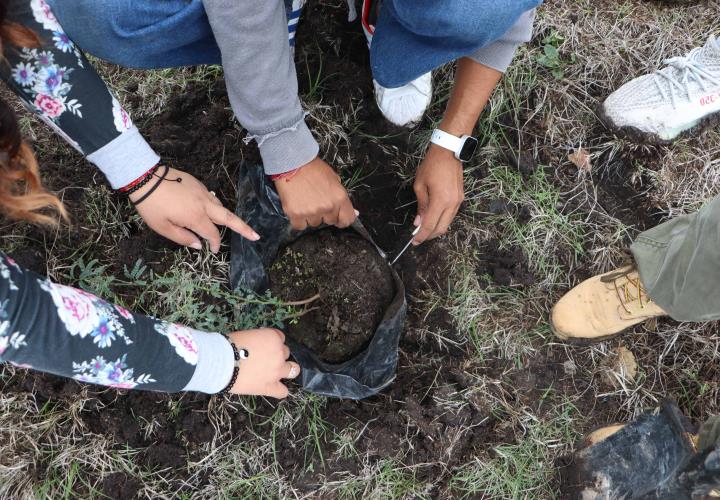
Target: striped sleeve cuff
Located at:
point(215, 363)
point(125, 158)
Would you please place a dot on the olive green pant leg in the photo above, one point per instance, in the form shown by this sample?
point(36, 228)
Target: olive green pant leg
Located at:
point(679, 264)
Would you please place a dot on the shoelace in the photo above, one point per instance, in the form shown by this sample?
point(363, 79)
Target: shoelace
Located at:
point(690, 68)
point(624, 291)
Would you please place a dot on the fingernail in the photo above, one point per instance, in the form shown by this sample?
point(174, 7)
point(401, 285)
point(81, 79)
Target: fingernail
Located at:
point(254, 236)
point(416, 222)
point(196, 245)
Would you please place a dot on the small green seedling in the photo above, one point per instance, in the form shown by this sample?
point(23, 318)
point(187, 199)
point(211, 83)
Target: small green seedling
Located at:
point(551, 58)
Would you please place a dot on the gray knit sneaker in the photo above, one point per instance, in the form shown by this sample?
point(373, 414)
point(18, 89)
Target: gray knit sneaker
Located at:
point(658, 107)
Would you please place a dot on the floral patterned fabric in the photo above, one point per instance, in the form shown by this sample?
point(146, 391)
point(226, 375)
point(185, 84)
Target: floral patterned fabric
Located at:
point(58, 83)
point(69, 332)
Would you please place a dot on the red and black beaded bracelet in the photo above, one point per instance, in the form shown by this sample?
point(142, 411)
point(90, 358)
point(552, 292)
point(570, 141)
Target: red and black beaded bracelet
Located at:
point(139, 182)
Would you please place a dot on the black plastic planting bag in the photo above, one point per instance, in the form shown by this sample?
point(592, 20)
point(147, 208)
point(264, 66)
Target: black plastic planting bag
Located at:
point(366, 373)
point(648, 458)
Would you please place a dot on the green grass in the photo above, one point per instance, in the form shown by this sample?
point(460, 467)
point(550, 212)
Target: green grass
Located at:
point(552, 228)
point(316, 80)
point(387, 479)
point(523, 469)
point(182, 294)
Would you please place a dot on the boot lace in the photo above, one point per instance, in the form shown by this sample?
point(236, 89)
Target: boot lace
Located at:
point(630, 291)
point(680, 72)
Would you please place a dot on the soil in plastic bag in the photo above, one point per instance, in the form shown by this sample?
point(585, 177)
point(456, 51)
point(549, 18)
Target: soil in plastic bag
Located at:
point(355, 287)
point(368, 326)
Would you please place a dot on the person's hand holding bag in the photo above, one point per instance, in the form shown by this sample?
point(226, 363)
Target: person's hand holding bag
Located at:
point(314, 195)
point(266, 364)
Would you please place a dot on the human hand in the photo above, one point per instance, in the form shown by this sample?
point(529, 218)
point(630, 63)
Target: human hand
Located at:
point(176, 210)
point(440, 192)
point(315, 195)
point(266, 364)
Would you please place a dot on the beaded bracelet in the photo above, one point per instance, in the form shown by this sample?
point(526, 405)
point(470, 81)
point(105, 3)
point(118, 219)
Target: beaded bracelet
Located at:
point(155, 186)
point(139, 182)
point(238, 354)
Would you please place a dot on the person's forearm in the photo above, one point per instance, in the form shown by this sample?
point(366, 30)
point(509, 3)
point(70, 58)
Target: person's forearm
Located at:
point(478, 75)
point(474, 83)
point(261, 79)
point(69, 332)
point(56, 81)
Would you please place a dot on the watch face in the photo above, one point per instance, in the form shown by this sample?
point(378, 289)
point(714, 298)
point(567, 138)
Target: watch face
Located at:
point(468, 149)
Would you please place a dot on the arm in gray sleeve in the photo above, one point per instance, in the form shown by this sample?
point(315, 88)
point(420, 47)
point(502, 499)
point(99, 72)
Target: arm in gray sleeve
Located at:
point(261, 79)
point(499, 54)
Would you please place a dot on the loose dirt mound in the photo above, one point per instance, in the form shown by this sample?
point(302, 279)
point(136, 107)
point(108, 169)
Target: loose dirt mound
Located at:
point(354, 284)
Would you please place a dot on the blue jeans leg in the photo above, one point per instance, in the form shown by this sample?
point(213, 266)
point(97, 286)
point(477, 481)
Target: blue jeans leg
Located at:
point(413, 37)
point(140, 33)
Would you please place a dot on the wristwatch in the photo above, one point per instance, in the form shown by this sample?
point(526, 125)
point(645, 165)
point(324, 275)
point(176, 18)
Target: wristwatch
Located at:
point(464, 147)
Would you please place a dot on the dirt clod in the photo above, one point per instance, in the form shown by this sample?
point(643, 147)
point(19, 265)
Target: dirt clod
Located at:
point(120, 486)
point(620, 366)
point(522, 161)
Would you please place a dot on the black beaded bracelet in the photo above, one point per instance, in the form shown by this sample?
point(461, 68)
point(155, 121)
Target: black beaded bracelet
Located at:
point(238, 354)
point(152, 189)
point(148, 175)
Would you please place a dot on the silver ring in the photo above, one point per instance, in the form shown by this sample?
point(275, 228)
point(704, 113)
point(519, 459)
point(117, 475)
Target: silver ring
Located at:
point(293, 372)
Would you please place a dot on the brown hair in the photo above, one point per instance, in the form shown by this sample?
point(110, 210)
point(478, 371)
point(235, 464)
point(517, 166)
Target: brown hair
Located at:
point(22, 195)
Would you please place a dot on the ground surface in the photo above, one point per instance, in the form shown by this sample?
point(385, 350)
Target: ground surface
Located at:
point(485, 400)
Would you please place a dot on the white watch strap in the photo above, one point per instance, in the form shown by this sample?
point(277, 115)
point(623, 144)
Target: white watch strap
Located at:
point(447, 141)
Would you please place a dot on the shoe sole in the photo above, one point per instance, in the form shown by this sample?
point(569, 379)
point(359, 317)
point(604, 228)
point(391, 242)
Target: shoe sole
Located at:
point(640, 137)
point(584, 341)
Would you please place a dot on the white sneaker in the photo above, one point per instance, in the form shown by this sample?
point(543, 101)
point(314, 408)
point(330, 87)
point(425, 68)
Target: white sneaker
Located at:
point(660, 106)
point(406, 105)
point(403, 106)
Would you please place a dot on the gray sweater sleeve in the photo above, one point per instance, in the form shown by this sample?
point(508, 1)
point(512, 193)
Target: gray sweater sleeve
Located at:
point(261, 79)
point(499, 54)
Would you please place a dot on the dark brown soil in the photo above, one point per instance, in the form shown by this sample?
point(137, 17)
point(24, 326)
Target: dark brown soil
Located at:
point(354, 284)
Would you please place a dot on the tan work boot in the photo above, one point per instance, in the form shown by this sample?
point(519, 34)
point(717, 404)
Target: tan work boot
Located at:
point(602, 307)
point(601, 434)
